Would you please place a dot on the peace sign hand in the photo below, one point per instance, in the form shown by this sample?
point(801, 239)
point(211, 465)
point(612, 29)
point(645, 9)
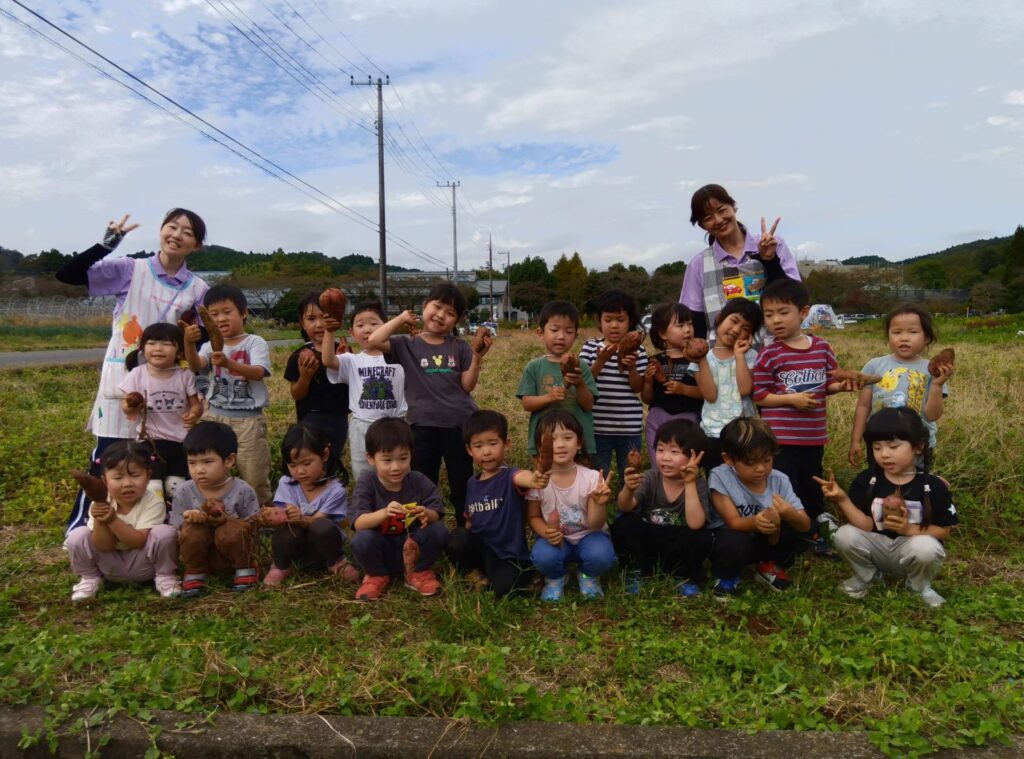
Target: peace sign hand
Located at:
point(116, 230)
point(603, 492)
point(830, 488)
point(767, 245)
point(692, 468)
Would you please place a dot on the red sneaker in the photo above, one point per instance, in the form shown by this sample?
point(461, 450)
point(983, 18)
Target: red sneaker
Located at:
point(425, 583)
point(774, 576)
point(373, 587)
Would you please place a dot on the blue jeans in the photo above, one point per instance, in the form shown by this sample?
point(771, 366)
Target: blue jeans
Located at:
point(621, 445)
point(594, 554)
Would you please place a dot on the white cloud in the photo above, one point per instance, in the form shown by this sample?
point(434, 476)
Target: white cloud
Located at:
point(496, 202)
point(936, 104)
point(687, 148)
point(20, 182)
point(809, 250)
point(659, 124)
point(1013, 97)
point(773, 181)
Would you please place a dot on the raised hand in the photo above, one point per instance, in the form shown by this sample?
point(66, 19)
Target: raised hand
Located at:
point(540, 479)
point(692, 469)
point(331, 324)
point(767, 246)
point(102, 512)
point(115, 232)
point(603, 492)
point(191, 332)
point(830, 488)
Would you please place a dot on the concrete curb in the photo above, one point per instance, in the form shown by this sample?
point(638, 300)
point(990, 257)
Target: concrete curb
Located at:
point(248, 736)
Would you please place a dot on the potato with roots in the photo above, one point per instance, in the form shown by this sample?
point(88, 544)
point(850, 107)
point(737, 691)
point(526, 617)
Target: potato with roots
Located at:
point(216, 338)
point(634, 459)
point(546, 455)
point(857, 378)
point(629, 344)
point(94, 487)
point(696, 348)
point(945, 357)
point(570, 364)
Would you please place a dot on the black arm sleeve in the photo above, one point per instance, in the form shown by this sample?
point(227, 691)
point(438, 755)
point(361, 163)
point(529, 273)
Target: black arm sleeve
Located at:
point(700, 324)
point(772, 269)
point(76, 271)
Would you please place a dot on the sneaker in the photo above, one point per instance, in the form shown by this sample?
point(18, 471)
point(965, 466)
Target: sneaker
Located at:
point(425, 583)
point(931, 598)
point(590, 587)
point(726, 587)
point(193, 586)
point(245, 579)
point(774, 576)
point(275, 577)
point(86, 588)
point(346, 570)
point(553, 589)
point(821, 548)
point(854, 587)
point(373, 587)
point(633, 582)
point(167, 586)
point(688, 589)
point(477, 580)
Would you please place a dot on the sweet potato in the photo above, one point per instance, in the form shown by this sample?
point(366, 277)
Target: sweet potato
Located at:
point(214, 509)
point(634, 459)
point(410, 555)
point(696, 349)
point(271, 516)
point(546, 459)
point(945, 357)
point(842, 375)
point(306, 352)
point(216, 338)
point(570, 364)
point(333, 302)
point(554, 519)
point(627, 345)
point(482, 340)
point(893, 505)
point(95, 488)
point(135, 402)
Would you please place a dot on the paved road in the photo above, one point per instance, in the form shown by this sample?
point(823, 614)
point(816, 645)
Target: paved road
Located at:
point(42, 359)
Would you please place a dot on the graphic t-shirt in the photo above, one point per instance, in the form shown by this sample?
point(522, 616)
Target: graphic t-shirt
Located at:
point(678, 370)
point(166, 400)
point(333, 501)
point(904, 383)
point(433, 379)
point(542, 374)
point(943, 510)
point(567, 507)
point(781, 370)
point(376, 388)
point(494, 512)
point(239, 500)
point(617, 410)
point(323, 396)
point(654, 507)
point(729, 404)
point(724, 480)
point(231, 394)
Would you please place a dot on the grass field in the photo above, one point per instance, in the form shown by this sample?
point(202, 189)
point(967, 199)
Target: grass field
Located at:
point(916, 679)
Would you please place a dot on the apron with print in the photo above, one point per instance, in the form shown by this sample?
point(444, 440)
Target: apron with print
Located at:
point(149, 300)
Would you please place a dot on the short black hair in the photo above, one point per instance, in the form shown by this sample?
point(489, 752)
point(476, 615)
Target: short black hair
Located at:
point(747, 309)
point(368, 305)
point(309, 437)
point(747, 439)
point(485, 420)
point(684, 433)
point(210, 436)
point(615, 300)
point(127, 452)
point(787, 290)
point(450, 295)
point(559, 308)
point(923, 314)
point(662, 318)
point(387, 434)
point(221, 293)
point(163, 331)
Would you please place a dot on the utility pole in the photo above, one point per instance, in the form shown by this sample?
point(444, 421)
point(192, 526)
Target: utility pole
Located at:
point(508, 281)
point(455, 243)
point(380, 181)
point(490, 271)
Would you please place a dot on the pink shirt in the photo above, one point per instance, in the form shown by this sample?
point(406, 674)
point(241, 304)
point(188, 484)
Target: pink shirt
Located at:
point(567, 507)
point(166, 400)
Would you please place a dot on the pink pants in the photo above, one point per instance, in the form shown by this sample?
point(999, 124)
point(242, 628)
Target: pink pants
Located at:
point(158, 557)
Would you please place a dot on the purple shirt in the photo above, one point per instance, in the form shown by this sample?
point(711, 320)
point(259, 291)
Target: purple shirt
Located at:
point(333, 501)
point(692, 294)
point(113, 276)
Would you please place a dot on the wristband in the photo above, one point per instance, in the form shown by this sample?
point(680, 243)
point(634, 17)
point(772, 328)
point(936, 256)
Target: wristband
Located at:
point(111, 238)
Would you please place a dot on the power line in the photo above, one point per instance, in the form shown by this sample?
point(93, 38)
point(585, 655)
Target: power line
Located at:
point(316, 31)
point(324, 14)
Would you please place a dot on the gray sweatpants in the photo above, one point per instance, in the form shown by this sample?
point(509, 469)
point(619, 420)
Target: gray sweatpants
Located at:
point(917, 557)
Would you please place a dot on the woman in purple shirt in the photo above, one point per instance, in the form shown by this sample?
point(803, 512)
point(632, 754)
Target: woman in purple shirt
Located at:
point(148, 290)
point(736, 264)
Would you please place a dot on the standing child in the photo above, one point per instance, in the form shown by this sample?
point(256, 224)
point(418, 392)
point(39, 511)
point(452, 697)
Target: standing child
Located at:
point(165, 403)
point(238, 393)
point(663, 513)
point(570, 515)
point(397, 515)
point(906, 380)
point(546, 386)
point(376, 389)
point(670, 388)
point(441, 371)
point(619, 375)
point(725, 377)
point(125, 539)
point(898, 516)
point(791, 385)
point(213, 511)
point(318, 401)
point(491, 548)
point(311, 508)
point(757, 516)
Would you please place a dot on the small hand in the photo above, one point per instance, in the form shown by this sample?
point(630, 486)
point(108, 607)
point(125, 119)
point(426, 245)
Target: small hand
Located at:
point(830, 488)
point(632, 478)
point(742, 344)
point(308, 364)
point(395, 509)
point(343, 346)
point(292, 512)
point(219, 358)
point(116, 230)
point(540, 479)
point(780, 505)
point(692, 469)
point(557, 393)
point(191, 332)
point(574, 379)
point(674, 387)
point(765, 521)
point(190, 417)
point(603, 492)
point(945, 372)
point(803, 401)
point(629, 362)
point(553, 536)
point(331, 324)
point(897, 522)
point(606, 351)
point(420, 513)
point(195, 516)
point(768, 245)
point(408, 317)
point(101, 512)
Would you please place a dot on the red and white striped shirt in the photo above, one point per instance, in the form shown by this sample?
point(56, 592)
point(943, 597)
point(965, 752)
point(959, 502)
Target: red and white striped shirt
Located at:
point(782, 369)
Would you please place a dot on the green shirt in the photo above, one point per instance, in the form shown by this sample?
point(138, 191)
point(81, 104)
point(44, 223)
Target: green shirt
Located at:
point(542, 374)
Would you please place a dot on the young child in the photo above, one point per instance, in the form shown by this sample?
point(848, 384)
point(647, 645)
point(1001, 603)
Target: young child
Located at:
point(169, 403)
point(544, 386)
point(898, 516)
point(491, 548)
point(678, 397)
point(618, 413)
point(791, 384)
point(570, 515)
point(126, 539)
point(315, 507)
point(441, 371)
point(238, 393)
point(397, 515)
point(317, 400)
point(725, 376)
point(214, 511)
point(376, 389)
point(757, 515)
point(906, 380)
point(663, 513)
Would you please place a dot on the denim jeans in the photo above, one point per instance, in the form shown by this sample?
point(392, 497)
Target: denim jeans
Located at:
point(594, 554)
point(620, 445)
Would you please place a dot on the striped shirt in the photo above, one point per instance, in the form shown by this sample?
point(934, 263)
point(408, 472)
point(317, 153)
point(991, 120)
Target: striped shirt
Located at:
point(782, 369)
point(617, 410)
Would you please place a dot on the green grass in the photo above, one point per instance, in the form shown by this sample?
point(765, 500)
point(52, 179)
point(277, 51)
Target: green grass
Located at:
point(917, 680)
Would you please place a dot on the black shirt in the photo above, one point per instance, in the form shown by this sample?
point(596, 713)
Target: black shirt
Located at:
point(323, 395)
point(943, 510)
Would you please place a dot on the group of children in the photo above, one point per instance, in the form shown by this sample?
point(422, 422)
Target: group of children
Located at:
point(761, 503)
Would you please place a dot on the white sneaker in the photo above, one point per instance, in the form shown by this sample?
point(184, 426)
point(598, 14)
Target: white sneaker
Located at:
point(854, 587)
point(168, 586)
point(86, 588)
point(931, 598)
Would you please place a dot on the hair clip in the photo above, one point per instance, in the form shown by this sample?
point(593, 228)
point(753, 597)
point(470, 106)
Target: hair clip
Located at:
point(98, 460)
point(153, 458)
point(927, 488)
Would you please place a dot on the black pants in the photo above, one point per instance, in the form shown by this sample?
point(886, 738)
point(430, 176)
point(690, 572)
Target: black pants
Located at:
point(674, 549)
point(315, 547)
point(734, 550)
point(802, 463)
point(467, 551)
point(435, 443)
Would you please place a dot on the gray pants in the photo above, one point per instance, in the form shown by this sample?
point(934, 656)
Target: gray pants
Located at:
point(357, 448)
point(159, 556)
point(918, 557)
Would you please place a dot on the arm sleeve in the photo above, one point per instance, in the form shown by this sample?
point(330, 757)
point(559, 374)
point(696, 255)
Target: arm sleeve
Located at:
point(291, 369)
point(943, 510)
point(763, 380)
point(528, 384)
point(259, 354)
point(588, 353)
point(588, 379)
point(428, 497)
point(772, 268)
point(76, 271)
point(787, 261)
point(787, 492)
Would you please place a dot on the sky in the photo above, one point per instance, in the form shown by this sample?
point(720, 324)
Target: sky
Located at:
point(878, 127)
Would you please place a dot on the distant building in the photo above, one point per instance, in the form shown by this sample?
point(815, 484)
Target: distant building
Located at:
point(828, 264)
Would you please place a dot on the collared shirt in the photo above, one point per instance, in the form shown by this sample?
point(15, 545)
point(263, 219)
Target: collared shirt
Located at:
point(113, 276)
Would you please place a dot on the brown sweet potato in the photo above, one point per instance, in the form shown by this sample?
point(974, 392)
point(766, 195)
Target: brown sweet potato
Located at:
point(135, 402)
point(659, 374)
point(333, 302)
point(214, 509)
point(95, 488)
point(945, 357)
point(893, 505)
point(634, 459)
point(570, 364)
point(482, 340)
point(842, 375)
point(546, 459)
point(216, 338)
point(627, 345)
point(696, 349)
point(271, 516)
point(410, 555)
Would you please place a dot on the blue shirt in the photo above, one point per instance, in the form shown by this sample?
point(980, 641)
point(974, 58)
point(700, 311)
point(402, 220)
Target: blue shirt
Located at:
point(494, 513)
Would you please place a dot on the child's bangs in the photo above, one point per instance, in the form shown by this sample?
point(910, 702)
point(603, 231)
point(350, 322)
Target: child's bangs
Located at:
point(895, 424)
